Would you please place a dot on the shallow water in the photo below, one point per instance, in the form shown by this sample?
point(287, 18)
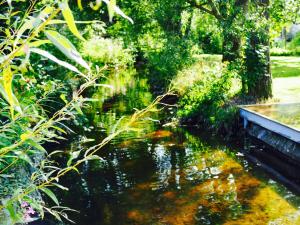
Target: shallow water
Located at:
point(170, 175)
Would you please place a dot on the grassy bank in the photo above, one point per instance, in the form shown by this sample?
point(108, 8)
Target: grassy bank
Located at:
point(209, 92)
point(286, 78)
point(285, 66)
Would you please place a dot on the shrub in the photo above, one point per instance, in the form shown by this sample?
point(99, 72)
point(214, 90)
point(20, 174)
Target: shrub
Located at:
point(281, 52)
point(207, 100)
point(107, 51)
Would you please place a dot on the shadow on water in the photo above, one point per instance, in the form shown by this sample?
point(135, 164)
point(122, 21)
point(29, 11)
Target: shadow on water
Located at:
point(169, 175)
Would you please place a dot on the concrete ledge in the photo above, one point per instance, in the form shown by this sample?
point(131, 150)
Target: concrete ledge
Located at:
point(270, 124)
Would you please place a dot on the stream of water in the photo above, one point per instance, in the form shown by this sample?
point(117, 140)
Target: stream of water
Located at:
point(165, 174)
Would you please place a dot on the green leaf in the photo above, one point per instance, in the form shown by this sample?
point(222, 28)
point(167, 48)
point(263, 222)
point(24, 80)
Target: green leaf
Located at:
point(66, 47)
point(74, 155)
point(61, 187)
point(24, 157)
point(79, 22)
point(118, 11)
point(36, 145)
point(50, 195)
point(97, 5)
point(54, 213)
point(33, 22)
point(94, 157)
point(79, 5)
point(63, 97)
point(38, 43)
point(7, 83)
point(111, 9)
point(14, 215)
point(56, 60)
point(69, 18)
point(78, 109)
point(59, 129)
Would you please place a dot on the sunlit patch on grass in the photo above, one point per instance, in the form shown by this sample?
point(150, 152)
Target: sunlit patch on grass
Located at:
point(286, 89)
point(285, 66)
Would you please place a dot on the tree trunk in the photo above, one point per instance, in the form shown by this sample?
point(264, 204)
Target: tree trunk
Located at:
point(258, 75)
point(258, 72)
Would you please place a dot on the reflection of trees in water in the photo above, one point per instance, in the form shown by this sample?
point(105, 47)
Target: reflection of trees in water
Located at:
point(161, 177)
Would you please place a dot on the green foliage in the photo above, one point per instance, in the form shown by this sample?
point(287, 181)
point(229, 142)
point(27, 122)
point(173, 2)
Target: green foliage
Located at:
point(206, 101)
point(281, 52)
point(103, 51)
point(294, 45)
point(43, 78)
point(292, 48)
point(205, 31)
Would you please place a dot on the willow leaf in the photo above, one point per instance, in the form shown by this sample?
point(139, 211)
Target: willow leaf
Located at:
point(79, 5)
point(38, 43)
point(69, 18)
point(7, 83)
point(111, 9)
point(54, 59)
point(33, 22)
point(50, 194)
point(97, 5)
point(36, 145)
point(5, 96)
point(76, 21)
point(66, 47)
point(118, 11)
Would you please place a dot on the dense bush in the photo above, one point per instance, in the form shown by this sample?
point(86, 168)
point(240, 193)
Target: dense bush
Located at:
point(293, 48)
point(101, 51)
point(207, 101)
point(281, 52)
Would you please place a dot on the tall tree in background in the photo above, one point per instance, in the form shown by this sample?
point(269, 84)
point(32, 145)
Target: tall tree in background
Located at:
point(230, 16)
point(237, 22)
point(257, 77)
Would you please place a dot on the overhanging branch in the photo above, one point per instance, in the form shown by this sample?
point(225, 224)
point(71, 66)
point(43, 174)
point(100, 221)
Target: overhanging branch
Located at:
point(213, 11)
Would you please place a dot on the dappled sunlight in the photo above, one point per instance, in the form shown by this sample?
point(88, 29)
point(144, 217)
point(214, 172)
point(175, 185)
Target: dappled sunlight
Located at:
point(267, 207)
point(285, 67)
point(127, 112)
point(287, 89)
point(212, 189)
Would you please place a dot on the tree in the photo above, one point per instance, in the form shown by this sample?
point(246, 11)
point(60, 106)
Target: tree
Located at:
point(230, 15)
point(233, 18)
point(282, 14)
point(257, 77)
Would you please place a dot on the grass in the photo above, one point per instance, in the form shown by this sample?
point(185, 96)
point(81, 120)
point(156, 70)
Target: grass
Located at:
point(286, 82)
point(285, 66)
point(285, 71)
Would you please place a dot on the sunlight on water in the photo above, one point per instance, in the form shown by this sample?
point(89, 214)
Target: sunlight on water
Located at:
point(170, 176)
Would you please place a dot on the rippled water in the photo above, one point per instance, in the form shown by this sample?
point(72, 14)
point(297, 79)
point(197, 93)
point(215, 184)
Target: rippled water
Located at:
point(170, 175)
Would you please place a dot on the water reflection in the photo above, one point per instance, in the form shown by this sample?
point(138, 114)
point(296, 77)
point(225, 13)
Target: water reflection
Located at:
point(170, 176)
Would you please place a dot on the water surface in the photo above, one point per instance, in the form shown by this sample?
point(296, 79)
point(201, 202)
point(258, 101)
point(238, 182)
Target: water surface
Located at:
point(165, 174)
